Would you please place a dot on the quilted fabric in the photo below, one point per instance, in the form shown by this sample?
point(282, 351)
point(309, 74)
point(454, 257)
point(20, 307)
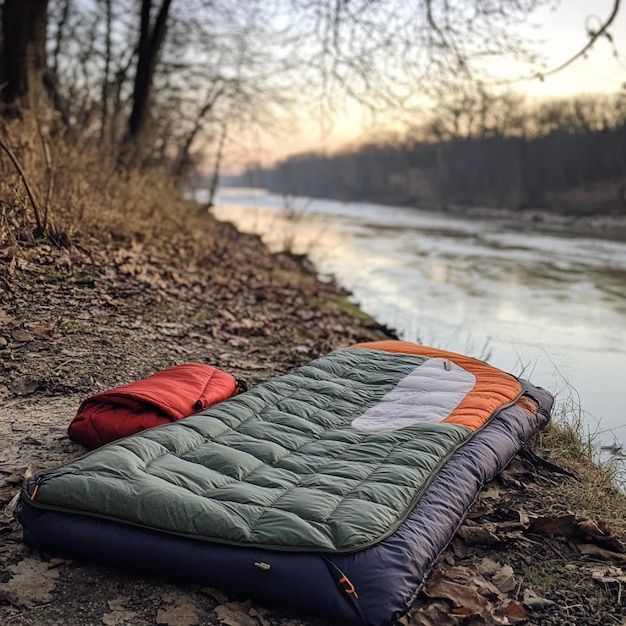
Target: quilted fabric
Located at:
point(306, 461)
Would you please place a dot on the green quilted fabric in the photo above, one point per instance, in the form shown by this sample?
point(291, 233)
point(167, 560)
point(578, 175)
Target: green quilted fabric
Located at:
point(279, 466)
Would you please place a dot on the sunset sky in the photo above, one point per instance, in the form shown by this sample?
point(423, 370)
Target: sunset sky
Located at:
point(561, 33)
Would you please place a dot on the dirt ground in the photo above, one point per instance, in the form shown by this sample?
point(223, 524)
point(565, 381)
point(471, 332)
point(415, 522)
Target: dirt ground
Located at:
point(75, 322)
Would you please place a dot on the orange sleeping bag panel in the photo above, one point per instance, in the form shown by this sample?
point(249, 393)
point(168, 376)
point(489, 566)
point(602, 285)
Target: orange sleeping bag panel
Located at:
point(493, 390)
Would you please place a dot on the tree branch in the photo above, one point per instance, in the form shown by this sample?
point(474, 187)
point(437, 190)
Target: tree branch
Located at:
point(20, 170)
point(593, 37)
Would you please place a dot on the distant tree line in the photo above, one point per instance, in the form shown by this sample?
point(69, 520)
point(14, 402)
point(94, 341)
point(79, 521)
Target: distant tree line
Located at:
point(477, 149)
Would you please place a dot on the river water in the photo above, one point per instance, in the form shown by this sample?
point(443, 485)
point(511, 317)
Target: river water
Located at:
point(549, 307)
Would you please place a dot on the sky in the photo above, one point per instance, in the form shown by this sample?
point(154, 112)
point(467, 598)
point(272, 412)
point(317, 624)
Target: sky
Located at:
point(560, 34)
point(564, 32)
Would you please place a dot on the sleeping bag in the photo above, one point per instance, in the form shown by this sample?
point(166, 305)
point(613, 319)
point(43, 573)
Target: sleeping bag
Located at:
point(330, 490)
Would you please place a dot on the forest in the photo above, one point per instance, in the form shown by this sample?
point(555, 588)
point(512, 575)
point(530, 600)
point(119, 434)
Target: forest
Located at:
point(480, 150)
point(109, 107)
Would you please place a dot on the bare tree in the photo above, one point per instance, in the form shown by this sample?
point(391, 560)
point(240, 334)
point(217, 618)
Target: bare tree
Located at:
point(151, 36)
point(161, 79)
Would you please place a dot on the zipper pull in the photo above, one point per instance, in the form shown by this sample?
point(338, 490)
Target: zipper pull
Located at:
point(33, 493)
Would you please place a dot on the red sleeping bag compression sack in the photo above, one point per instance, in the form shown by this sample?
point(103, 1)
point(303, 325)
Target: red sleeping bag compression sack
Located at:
point(164, 397)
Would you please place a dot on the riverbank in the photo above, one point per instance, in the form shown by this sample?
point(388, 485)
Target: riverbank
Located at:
point(84, 318)
point(604, 226)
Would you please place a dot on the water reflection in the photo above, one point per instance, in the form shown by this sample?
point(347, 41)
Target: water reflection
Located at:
point(551, 306)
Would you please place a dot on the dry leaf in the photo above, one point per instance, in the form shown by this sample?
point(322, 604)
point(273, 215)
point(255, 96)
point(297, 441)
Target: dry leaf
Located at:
point(236, 614)
point(515, 610)
point(489, 566)
point(600, 534)
point(504, 579)
point(609, 575)
point(593, 550)
point(22, 335)
point(478, 536)
point(491, 492)
point(42, 329)
point(118, 614)
point(562, 525)
point(216, 594)
point(435, 614)
point(183, 614)
point(532, 600)
point(456, 572)
point(23, 386)
point(31, 585)
point(260, 615)
point(462, 596)
point(32, 468)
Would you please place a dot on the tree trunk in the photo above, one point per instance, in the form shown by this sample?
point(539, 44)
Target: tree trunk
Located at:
point(23, 54)
point(216, 168)
point(151, 39)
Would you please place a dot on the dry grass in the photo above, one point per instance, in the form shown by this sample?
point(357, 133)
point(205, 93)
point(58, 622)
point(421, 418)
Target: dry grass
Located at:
point(600, 492)
point(79, 191)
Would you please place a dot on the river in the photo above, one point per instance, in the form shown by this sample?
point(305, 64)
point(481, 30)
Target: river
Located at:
point(550, 307)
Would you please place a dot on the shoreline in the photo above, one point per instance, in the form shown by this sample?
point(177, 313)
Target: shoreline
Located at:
point(80, 320)
point(608, 227)
point(602, 226)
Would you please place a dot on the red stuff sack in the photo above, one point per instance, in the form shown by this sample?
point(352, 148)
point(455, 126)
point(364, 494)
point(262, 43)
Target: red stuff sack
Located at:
point(164, 397)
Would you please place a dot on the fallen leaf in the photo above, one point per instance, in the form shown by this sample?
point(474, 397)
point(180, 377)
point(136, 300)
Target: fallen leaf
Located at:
point(217, 595)
point(462, 611)
point(562, 525)
point(532, 600)
point(236, 614)
point(478, 536)
point(34, 467)
point(260, 615)
point(609, 575)
point(31, 585)
point(435, 614)
point(9, 453)
point(457, 572)
point(22, 335)
point(183, 614)
point(515, 610)
point(489, 566)
point(504, 579)
point(600, 534)
point(462, 596)
point(480, 509)
point(119, 614)
point(43, 328)
point(593, 550)
point(491, 492)
point(23, 386)
point(7, 494)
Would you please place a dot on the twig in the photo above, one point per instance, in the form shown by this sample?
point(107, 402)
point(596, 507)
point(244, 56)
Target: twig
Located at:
point(50, 171)
point(593, 37)
point(22, 174)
